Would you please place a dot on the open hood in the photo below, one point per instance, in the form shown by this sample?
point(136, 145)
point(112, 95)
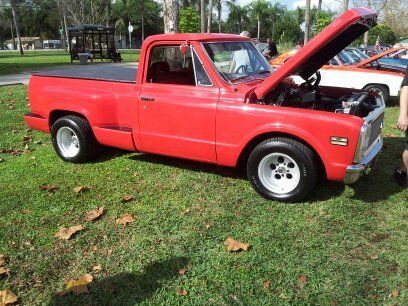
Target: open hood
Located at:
point(377, 56)
point(323, 47)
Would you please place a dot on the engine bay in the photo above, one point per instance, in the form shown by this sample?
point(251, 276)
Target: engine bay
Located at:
point(309, 95)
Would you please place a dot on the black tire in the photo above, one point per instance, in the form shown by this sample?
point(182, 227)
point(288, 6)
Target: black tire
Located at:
point(88, 145)
point(381, 89)
point(299, 153)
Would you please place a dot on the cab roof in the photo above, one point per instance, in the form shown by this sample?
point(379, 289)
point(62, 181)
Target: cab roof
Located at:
point(195, 37)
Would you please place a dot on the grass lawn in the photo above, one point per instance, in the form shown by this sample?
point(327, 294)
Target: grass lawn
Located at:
point(344, 246)
point(12, 62)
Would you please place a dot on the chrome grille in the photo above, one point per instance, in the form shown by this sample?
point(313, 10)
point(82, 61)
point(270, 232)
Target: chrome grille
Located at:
point(376, 126)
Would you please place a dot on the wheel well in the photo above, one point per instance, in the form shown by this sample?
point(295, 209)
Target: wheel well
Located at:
point(243, 157)
point(377, 84)
point(56, 114)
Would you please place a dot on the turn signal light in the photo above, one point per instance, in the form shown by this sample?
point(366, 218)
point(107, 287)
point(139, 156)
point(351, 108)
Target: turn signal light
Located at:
point(339, 141)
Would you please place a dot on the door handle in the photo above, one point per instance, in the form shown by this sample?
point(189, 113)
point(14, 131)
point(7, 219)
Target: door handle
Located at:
point(145, 98)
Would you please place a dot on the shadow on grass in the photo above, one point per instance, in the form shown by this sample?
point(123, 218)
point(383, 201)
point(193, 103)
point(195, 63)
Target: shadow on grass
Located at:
point(376, 186)
point(126, 288)
point(190, 165)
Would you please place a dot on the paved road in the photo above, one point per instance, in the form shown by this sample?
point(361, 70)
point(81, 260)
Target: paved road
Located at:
point(75, 69)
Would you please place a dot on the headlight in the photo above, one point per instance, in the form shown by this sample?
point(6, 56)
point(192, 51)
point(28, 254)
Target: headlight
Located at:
point(362, 142)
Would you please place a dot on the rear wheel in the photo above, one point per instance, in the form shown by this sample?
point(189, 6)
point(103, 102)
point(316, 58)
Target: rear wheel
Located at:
point(73, 139)
point(282, 169)
point(382, 90)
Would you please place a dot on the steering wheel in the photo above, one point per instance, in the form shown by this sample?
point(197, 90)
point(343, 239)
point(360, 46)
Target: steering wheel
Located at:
point(243, 67)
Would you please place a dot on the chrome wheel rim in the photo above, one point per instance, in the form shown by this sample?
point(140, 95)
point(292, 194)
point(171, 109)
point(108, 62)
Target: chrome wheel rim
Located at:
point(67, 142)
point(279, 173)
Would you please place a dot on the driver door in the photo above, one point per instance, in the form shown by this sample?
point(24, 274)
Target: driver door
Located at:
point(177, 105)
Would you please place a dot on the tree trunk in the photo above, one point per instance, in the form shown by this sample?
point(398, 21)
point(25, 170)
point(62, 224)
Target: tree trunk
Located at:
point(64, 16)
point(259, 28)
point(210, 7)
point(307, 22)
point(12, 35)
point(202, 15)
point(366, 33)
point(345, 5)
point(219, 17)
point(319, 7)
point(143, 29)
point(16, 25)
point(170, 16)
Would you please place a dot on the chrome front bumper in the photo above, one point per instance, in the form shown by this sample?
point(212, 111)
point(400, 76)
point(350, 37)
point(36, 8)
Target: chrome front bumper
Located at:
point(354, 172)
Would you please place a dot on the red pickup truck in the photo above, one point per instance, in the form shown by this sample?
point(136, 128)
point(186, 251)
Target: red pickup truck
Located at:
point(214, 98)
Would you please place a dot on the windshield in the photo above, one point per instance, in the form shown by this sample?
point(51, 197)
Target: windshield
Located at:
point(237, 60)
point(345, 58)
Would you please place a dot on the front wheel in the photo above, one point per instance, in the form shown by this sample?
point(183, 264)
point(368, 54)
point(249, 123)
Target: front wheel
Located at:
point(282, 169)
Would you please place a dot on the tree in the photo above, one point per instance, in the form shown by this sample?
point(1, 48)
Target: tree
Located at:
point(170, 16)
point(219, 10)
point(345, 5)
point(307, 22)
point(259, 9)
point(16, 24)
point(202, 15)
point(238, 17)
point(210, 9)
point(189, 20)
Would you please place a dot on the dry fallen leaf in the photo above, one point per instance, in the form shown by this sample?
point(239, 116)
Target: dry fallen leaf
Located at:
point(27, 138)
point(1, 160)
point(234, 245)
point(125, 219)
point(374, 256)
point(94, 214)
point(207, 226)
point(182, 292)
point(4, 271)
point(66, 233)
point(96, 268)
point(127, 198)
point(3, 260)
point(394, 293)
point(77, 286)
point(7, 297)
point(49, 188)
point(302, 279)
point(266, 284)
point(80, 189)
point(31, 158)
point(182, 271)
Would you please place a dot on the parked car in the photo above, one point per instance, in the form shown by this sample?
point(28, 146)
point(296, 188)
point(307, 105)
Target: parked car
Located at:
point(213, 98)
point(343, 71)
point(389, 59)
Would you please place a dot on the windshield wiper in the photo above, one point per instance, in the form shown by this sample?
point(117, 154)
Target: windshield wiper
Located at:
point(240, 78)
point(264, 71)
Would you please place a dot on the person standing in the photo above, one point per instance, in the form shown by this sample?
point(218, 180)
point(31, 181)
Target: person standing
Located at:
point(271, 50)
point(400, 175)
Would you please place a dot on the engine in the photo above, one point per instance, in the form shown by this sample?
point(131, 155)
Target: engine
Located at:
point(311, 97)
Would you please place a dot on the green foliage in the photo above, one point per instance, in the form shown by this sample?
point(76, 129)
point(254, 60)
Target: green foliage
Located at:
point(321, 21)
point(287, 30)
point(385, 33)
point(189, 20)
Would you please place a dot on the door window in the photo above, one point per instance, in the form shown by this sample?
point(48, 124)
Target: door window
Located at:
point(168, 65)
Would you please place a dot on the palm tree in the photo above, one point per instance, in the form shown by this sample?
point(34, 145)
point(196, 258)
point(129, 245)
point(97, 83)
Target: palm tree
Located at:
point(202, 15)
point(219, 9)
point(210, 9)
point(259, 9)
point(16, 25)
point(238, 14)
point(319, 7)
point(345, 5)
point(274, 12)
point(307, 22)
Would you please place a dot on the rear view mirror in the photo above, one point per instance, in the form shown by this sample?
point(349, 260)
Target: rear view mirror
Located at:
point(183, 48)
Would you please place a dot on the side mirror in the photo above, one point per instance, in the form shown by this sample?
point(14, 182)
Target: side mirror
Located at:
point(183, 48)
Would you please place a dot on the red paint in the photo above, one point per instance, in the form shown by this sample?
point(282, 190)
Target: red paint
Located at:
point(212, 124)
